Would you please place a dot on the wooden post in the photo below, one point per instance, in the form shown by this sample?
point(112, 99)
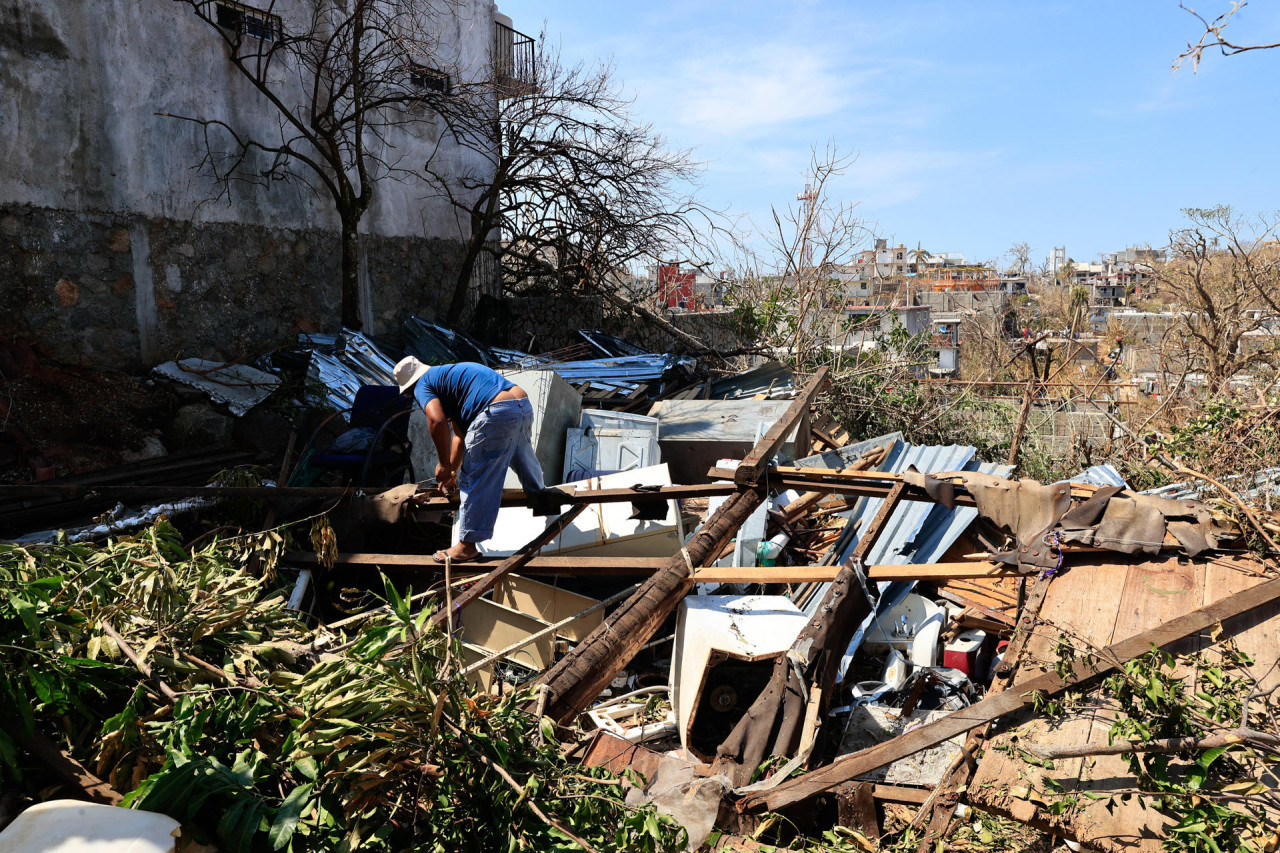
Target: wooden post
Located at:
point(780, 708)
point(1020, 427)
point(750, 469)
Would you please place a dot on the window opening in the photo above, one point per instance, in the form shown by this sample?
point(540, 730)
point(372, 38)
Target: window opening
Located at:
point(426, 79)
point(249, 21)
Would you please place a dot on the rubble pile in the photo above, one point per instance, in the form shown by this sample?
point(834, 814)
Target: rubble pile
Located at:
point(731, 625)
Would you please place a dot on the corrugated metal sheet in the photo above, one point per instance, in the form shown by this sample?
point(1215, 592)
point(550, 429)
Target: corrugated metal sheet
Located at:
point(352, 361)
point(1247, 486)
point(436, 344)
point(917, 532)
point(767, 378)
point(1101, 475)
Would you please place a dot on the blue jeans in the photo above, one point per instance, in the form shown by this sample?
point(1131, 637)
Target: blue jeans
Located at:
point(499, 437)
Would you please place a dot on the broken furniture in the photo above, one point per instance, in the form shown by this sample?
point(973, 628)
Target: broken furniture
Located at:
point(512, 628)
point(694, 434)
point(725, 648)
point(374, 450)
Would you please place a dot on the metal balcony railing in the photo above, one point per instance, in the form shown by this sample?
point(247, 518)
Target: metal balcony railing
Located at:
point(513, 71)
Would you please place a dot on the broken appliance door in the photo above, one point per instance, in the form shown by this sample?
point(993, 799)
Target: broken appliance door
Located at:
point(604, 529)
point(724, 653)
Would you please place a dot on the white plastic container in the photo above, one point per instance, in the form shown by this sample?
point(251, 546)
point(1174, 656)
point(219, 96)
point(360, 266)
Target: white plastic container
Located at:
point(912, 627)
point(73, 826)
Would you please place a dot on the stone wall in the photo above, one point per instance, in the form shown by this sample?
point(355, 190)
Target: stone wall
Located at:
point(128, 292)
point(541, 324)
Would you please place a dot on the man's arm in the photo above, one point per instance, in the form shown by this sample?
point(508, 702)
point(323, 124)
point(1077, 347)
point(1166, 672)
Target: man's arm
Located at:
point(458, 448)
point(448, 445)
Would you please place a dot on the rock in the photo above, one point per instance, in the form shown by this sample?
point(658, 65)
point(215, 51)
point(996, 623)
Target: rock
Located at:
point(265, 429)
point(199, 425)
point(152, 448)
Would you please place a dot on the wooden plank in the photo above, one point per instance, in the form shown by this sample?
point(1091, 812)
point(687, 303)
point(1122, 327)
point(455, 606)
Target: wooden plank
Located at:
point(547, 565)
point(991, 615)
point(751, 467)
point(869, 486)
point(72, 490)
point(900, 794)
point(632, 566)
point(516, 497)
point(1129, 596)
point(510, 564)
point(1009, 701)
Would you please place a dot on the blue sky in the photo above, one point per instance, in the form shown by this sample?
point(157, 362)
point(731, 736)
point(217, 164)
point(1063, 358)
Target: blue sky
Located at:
point(976, 125)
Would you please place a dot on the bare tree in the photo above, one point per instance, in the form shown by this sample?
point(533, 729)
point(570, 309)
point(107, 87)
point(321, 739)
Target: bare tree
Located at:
point(1212, 37)
point(572, 189)
point(340, 81)
point(1019, 257)
point(789, 284)
point(1221, 283)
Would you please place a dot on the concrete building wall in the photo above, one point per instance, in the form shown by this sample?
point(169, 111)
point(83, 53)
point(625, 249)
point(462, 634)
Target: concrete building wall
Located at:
point(114, 247)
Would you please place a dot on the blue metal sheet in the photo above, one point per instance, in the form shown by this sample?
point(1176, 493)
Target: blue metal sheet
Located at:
point(916, 532)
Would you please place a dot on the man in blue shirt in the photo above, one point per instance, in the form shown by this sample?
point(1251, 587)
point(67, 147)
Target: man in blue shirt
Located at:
point(481, 424)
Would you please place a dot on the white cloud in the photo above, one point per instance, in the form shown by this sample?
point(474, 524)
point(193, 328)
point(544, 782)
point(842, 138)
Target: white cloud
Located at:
point(887, 178)
point(755, 90)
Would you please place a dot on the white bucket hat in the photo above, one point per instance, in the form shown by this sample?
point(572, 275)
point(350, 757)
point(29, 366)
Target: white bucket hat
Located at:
point(408, 371)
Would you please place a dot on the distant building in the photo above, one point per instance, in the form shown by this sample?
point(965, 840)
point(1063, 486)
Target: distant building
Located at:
point(675, 286)
point(945, 271)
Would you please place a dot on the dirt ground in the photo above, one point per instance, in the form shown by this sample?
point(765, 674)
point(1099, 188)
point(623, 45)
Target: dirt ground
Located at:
point(72, 419)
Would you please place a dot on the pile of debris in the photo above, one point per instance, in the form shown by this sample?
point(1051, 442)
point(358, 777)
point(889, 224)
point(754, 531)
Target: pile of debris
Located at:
point(760, 616)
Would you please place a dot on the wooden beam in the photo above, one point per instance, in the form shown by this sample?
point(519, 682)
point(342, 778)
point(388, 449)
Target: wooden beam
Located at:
point(510, 497)
point(753, 465)
point(546, 565)
point(510, 564)
point(632, 566)
point(1009, 701)
point(860, 485)
point(75, 490)
point(515, 497)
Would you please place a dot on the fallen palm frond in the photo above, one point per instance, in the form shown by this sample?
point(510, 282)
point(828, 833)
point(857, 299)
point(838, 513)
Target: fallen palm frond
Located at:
point(182, 680)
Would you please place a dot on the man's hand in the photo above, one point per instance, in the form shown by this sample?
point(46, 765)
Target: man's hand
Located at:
point(446, 478)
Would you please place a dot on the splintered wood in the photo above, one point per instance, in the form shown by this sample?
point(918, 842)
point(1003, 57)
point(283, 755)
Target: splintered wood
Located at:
point(1096, 607)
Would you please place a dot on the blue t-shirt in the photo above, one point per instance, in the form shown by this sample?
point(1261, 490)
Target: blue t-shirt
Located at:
point(463, 389)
